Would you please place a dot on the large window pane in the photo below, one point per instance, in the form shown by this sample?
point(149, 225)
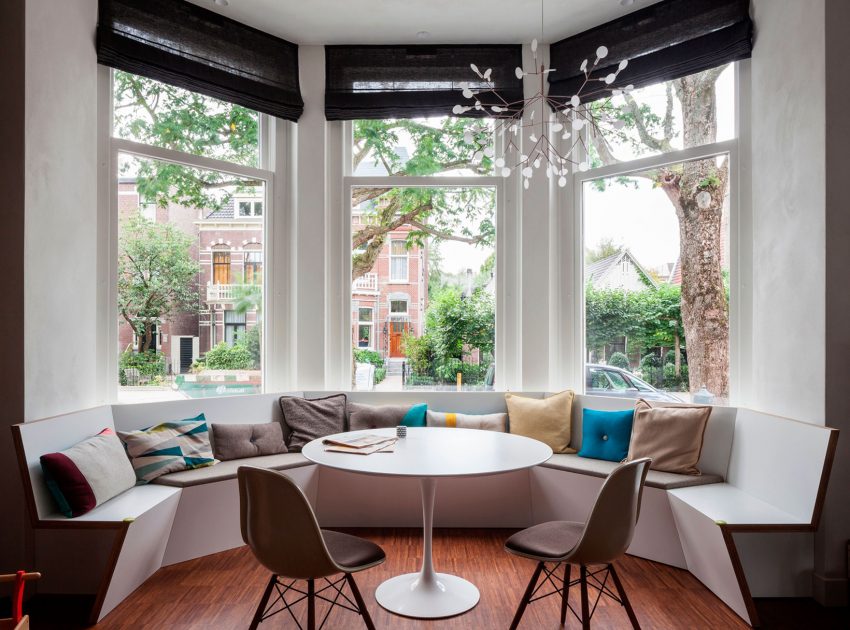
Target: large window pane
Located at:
point(190, 293)
point(423, 262)
point(657, 282)
point(423, 146)
point(687, 112)
point(165, 116)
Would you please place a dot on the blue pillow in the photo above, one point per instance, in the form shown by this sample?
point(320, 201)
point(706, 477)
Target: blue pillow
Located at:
point(415, 416)
point(606, 434)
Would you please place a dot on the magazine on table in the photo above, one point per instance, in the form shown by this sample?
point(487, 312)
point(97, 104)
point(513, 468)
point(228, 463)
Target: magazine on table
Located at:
point(361, 444)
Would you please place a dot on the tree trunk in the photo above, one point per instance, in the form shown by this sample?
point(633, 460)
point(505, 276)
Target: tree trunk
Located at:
point(677, 354)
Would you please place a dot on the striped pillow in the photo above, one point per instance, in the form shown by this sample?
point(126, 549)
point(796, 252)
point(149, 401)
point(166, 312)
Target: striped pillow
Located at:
point(487, 421)
point(88, 474)
point(169, 447)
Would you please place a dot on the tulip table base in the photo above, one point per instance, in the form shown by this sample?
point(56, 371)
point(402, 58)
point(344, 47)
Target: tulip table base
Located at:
point(427, 594)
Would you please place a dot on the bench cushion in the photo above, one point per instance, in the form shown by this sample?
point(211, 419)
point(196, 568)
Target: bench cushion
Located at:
point(601, 468)
point(227, 470)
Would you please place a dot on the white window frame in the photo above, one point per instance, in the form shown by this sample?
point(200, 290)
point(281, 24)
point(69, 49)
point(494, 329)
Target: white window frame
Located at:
point(393, 257)
point(391, 312)
point(739, 219)
point(371, 324)
point(507, 195)
point(276, 171)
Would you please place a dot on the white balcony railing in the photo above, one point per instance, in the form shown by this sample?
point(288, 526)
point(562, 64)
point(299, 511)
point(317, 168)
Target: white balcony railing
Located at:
point(368, 282)
point(221, 292)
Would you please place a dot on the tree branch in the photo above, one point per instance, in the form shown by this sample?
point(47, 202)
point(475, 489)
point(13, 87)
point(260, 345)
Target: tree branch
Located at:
point(446, 236)
point(647, 138)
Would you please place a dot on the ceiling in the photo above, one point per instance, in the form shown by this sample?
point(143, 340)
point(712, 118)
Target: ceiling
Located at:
point(401, 21)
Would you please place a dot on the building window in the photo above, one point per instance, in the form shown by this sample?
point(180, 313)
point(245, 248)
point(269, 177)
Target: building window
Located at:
point(365, 328)
point(249, 208)
point(221, 267)
point(399, 266)
point(662, 314)
point(253, 267)
point(398, 307)
point(234, 327)
point(174, 270)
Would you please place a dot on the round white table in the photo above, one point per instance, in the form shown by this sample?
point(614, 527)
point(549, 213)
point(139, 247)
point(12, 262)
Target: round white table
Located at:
point(429, 454)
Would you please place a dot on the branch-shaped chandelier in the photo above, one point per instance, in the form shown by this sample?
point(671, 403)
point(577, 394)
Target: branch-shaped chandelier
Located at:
point(548, 116)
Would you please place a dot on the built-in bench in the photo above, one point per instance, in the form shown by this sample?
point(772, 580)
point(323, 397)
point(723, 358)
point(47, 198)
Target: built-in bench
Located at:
point(761, 474)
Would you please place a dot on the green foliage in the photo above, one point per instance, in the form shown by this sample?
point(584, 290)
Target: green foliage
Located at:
point(620, 360)
point(368, 356)
point(166, 116)
point(156, 273)
point(420, 353)
point(252, 341)
point(676, 383)
point(150, 364)
point(380, 374)
point(248, 297)
point(226, 357)
point(455, 323)
point(605, 248)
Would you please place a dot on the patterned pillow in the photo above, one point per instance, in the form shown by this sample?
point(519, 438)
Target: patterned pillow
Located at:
point(486, 421)
point(169, 447)
point(88, 474)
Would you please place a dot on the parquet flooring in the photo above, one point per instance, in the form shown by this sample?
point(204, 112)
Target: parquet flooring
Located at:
point(221, 591)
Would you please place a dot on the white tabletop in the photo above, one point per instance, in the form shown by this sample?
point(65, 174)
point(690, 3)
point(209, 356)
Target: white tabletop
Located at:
point(437, 452)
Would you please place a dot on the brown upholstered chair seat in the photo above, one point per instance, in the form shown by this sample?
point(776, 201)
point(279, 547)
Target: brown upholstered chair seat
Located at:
point(554, 539)
point(351, 552)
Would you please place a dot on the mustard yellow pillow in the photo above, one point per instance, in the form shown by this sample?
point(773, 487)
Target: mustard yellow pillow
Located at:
point(544, 419)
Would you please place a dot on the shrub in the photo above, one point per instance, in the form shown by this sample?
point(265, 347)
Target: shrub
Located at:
point(150, 364)
point(380, 374)
point(414, 380)
point(673, 382)
point(619, 360)
point(225, 357)
point(670, 357)
point(420, 354)
point(651, 371)
point(252, 340)
point(471, 374)
point(369, 356)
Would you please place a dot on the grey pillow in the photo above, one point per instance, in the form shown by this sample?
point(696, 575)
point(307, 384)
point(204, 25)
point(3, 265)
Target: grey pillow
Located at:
point(310, 419)
point(236, 441)
point(362, 416)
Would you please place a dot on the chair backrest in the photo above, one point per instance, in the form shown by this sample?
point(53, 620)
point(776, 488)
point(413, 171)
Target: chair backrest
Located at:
point(279, 525)
point(609, 528)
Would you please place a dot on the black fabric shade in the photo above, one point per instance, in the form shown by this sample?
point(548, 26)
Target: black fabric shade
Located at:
point(193, 48)
point(664, 41)
point(377, 82)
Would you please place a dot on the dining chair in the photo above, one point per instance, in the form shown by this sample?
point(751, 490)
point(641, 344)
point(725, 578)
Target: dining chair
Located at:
point(601, 540)
point(279, 526)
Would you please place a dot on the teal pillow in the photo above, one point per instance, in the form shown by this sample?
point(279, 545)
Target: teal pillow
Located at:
point(606, 434)
point(416, 416)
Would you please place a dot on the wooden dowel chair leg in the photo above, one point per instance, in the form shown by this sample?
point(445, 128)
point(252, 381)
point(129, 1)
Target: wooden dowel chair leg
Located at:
point(367, 619)
point(311, 605)
point(258, 615)
point(565, 593)
point(622, 592)
point(585, 609)
point(527, 596)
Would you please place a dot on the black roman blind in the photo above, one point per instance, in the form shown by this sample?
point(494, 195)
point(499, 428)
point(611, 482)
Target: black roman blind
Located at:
point(182, 44)
point(664, 41)
point(376, 82)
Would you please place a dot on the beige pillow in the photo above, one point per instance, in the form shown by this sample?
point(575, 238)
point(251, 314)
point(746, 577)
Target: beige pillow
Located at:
point(671, 436)
point(544, 419)
point(485, 422)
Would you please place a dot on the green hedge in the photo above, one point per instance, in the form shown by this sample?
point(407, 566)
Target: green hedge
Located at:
point(369, 356)
point(150, 364)
point(225, 357)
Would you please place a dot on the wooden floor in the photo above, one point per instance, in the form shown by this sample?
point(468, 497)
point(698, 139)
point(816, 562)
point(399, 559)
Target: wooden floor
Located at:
point(221, 591)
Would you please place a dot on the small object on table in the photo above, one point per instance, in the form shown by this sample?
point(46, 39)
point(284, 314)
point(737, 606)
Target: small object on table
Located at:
point(401, 431)
point(361, 444)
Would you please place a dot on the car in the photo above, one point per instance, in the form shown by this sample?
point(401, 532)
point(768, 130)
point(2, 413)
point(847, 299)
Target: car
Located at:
point(605, 380)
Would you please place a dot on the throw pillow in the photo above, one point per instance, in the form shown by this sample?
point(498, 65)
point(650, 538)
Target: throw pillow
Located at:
point(88, 474)
point(671, 436)
point(544, 419)
point(169, 447)
point(362, 416)
point(605, 434)
point(487, 421)
point(236, 441)
point(310, 419)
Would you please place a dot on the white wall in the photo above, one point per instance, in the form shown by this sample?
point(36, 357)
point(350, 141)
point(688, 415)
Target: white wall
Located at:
point(788, 221)
point(61, 207)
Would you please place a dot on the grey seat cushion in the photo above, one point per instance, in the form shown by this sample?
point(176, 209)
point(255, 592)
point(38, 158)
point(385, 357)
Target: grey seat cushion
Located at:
point(227, 470)
point(352, 552)
point(553, 539)
point(602, 468)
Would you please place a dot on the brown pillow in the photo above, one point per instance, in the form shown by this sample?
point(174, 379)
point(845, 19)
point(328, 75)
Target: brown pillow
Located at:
point(310, 419)
point(544, 419)
point(235, 441)
point(671, 436)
